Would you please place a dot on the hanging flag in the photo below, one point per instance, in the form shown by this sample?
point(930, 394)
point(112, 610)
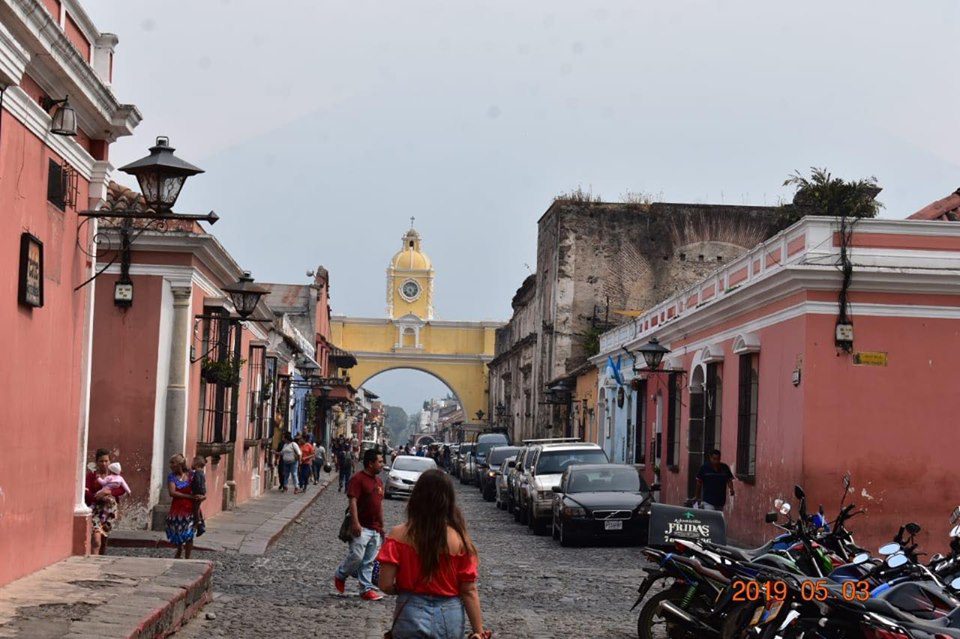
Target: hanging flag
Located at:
point(613, 369)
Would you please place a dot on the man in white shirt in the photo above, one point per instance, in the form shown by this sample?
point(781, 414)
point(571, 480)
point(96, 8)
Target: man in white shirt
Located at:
point(289, 462)
point(318, 462)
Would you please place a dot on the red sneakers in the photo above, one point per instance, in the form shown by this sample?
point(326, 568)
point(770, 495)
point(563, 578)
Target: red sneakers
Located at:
point(371, 595)
point(339, 584)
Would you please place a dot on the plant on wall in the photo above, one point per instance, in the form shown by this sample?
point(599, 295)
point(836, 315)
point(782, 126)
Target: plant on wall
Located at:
point(225, 372)
point(311, 409)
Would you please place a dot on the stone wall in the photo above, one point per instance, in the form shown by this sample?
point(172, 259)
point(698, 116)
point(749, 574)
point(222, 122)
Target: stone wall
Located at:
point(597, 262)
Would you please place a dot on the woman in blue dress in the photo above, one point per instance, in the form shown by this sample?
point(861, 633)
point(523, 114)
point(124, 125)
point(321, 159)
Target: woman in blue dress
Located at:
point(180, 519)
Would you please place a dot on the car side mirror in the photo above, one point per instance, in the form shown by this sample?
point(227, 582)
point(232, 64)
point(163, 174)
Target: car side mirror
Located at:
point(557, 489)
point(386, 468)
point(771, 518)
point(512, 464)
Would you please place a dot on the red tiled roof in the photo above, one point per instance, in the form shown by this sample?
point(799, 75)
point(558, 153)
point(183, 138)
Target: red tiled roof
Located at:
point(946, 209)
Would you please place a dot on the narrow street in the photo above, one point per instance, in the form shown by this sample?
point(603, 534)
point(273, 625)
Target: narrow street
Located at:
point(530, 586)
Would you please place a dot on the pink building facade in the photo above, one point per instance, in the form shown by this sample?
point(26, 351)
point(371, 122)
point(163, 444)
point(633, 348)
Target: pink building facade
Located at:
point(154, 392)
point(49, 50)
point(765, 381)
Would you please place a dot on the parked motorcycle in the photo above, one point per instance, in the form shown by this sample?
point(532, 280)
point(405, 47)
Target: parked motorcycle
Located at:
point(810, 582)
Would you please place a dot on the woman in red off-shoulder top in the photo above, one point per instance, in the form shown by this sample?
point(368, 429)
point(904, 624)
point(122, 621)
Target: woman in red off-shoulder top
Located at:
point(431, 564)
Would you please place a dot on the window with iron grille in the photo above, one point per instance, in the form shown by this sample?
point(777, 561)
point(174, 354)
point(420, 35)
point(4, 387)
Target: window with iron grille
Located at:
point(269, 394)
point(283, 401)
point(712, 409)
point(673, 421)
point(640, 451)
point(56, 185)
point(747, 416)
point(255, 374)
point(218, 401)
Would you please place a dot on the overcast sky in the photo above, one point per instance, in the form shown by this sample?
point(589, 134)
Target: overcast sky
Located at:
point(323, 126)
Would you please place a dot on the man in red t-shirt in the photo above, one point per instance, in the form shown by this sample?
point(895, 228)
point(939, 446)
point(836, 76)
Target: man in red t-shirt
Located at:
point(307, 453)
point(365, 492)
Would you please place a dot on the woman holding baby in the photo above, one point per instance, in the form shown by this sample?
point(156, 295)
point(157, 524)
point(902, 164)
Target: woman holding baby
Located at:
point(104, 486)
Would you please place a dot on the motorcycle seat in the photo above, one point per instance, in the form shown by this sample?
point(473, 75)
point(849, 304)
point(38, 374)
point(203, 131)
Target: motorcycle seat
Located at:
point(740, 554)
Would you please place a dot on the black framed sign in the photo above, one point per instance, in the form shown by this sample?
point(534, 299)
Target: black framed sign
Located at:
point(30, 290)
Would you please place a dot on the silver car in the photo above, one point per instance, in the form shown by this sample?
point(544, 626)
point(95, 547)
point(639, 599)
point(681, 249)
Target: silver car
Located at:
point(404, 473)
point(502, 474)
point(544, 466)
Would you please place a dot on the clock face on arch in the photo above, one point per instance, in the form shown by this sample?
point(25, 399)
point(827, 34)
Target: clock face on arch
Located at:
point(410, 290)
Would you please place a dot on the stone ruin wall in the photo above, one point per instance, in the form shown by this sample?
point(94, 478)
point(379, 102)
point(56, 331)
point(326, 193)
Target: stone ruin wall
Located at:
point(637, 255)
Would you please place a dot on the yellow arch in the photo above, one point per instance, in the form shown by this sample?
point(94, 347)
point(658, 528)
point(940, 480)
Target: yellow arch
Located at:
point(456, 353)
point(467, 380)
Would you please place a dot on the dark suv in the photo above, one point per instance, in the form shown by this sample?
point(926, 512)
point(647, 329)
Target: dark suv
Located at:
point(495, 459)
point(484, 443)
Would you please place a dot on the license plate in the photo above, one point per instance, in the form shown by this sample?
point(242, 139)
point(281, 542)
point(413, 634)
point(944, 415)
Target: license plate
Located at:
point(613, 525)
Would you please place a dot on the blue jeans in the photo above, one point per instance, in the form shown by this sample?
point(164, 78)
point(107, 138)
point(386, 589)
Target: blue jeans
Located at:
point(429, 617)
point(304, 476)
point(345, 473)
point(360, 557)
point(288, 470)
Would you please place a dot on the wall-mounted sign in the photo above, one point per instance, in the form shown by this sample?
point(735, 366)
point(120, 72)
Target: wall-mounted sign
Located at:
point(30, 288)
point(870, 358)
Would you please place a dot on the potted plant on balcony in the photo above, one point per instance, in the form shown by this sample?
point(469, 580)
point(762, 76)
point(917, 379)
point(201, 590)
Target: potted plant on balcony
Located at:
point(225, 372)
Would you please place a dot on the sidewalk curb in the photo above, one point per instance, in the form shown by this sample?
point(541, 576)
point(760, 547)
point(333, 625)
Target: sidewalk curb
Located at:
point(259, 540)
point(256, 542)
point(168, 618)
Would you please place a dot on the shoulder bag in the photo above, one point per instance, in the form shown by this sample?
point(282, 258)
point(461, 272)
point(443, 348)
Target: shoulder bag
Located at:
point(345, 535)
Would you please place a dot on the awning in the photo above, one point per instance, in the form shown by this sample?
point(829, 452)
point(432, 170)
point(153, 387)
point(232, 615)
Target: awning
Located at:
point(341, 358)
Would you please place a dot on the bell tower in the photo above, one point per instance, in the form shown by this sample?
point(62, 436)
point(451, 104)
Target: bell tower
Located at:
point(410, 280)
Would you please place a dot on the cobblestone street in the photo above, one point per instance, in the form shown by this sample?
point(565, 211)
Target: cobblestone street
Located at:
point(529, 585)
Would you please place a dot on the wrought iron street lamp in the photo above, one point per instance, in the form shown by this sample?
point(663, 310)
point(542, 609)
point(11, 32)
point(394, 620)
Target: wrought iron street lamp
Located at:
point(501, 411)
point(64, 119)
point(653, 353)
point(245, 296)
point(161, 175)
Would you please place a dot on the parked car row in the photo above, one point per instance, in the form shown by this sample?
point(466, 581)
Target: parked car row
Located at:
point(564, 486)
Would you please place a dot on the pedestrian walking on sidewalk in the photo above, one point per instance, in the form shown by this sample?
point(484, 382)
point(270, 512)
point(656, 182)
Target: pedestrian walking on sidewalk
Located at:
point(430, 563)
point(289, 459)
point(307, 455)
point(103, 498)
point(713, 481)
point(319, 459)
point(344, 465)
point(365, 492)
point(179, 526)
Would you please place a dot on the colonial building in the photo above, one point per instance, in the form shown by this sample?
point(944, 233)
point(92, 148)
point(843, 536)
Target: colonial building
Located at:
point(798, 375)
point(173, 373)
point(58, 117)
point(598, 264)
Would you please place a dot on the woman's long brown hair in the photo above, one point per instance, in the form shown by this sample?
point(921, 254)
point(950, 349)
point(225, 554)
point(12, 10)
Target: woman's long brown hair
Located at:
point(433, 507)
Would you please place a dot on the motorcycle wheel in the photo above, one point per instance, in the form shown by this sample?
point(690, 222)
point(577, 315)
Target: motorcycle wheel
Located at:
point(652, 625)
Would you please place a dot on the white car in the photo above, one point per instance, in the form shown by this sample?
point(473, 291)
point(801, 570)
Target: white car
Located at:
point(404, 473)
